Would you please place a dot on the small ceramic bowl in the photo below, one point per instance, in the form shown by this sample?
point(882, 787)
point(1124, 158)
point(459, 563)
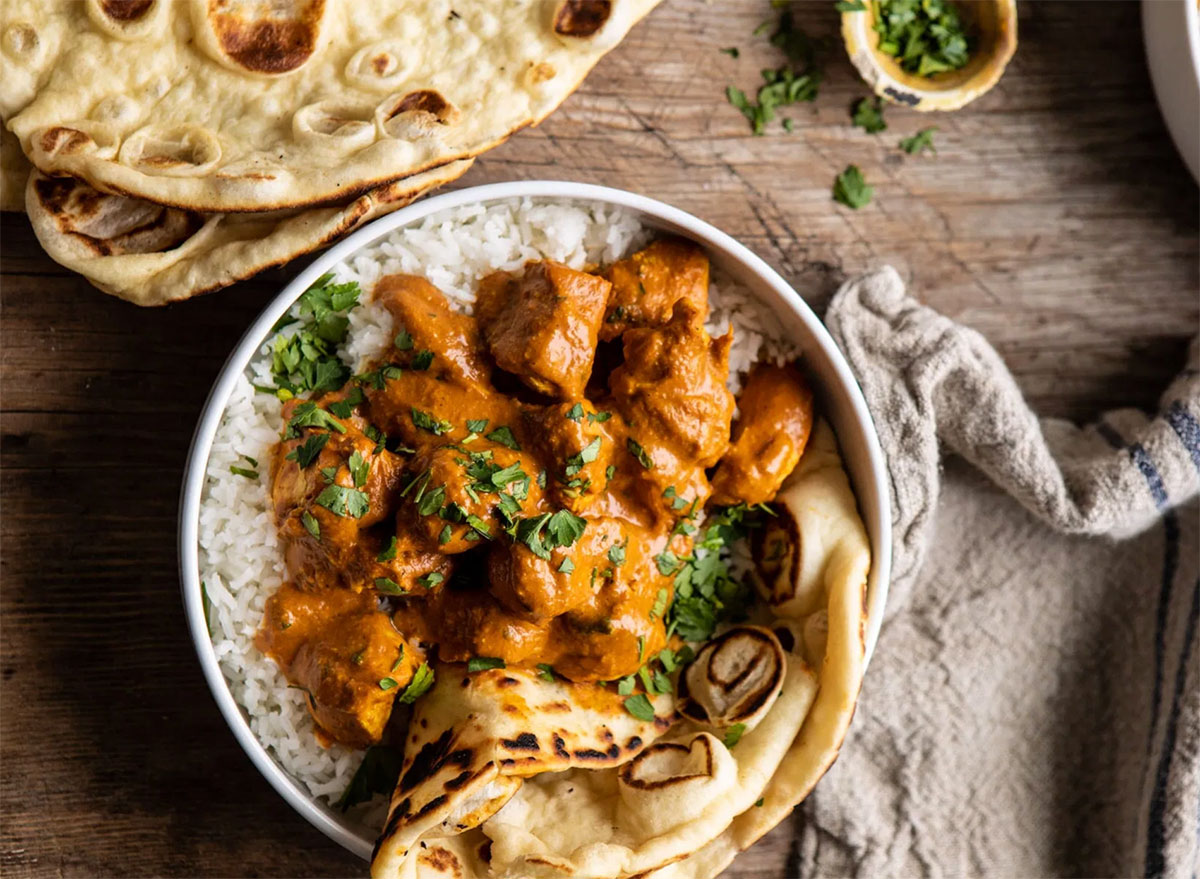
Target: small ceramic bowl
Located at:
point(1171, 29)
point(840, 400)
point(994, 25)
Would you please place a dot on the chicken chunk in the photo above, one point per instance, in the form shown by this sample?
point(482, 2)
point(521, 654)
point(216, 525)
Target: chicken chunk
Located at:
point(425, 323)
point(345, 655)
point(543, 324)
point(671, 392)
point(646, 286)
point(574, 438)
point(776, 407)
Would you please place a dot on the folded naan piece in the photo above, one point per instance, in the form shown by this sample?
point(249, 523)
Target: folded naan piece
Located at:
point(673, 798)
point(151, 254)
point(781, 696)
point(14, 171)
point(255, 105)
point(474, 738)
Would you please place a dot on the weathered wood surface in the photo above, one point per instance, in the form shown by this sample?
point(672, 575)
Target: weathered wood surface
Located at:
point(1056, 218)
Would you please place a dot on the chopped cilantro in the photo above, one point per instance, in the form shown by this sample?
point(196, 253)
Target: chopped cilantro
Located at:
point(306, 360)
point(616, 553)
point(575, 412)
point(425, 421)
point(360, 468)
point(919, 142)
point(924, 36)
point(638, 452)
point(480, 526)
point(732, 51)
point(759, 802)
point(431, 579)
point(639, 706)
point(567, 566)
point(404, 340)
point(389, 552)
point(548, 531)
point(586, 455)
point(344, 501)
point(660, 605)
point(308, 451)
point(311, 525)
point(477, 425)
point(421, 360)
point(243, 471)
point(503, 435)
point(483, 663)
point(797, 80)
point(625, 685)
point(851, 189)
point(345, 407)
point(308, 414)
point(447, 533)
point(868, 115)
point(376, 774)
point(422, 680)
point(388, 586)
point(387, 683)
point(546, 672)
point(733, 735)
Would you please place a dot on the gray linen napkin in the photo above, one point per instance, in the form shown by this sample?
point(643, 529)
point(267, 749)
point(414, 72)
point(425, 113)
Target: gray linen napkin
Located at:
point(1033, 706)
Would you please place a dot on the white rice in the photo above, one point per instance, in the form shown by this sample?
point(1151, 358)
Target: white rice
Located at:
point(240, 560)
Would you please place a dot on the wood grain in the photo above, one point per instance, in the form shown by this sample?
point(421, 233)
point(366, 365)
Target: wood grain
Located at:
point(1056, 219)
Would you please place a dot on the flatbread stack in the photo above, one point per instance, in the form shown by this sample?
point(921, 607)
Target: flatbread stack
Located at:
point(178, 146)
point(509, 777)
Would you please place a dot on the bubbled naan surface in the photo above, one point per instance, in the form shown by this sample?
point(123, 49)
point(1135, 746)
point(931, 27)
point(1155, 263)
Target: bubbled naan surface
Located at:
point(253, 105)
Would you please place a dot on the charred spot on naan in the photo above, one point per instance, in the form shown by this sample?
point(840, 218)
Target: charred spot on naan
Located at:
point(640, 773)
point(581, 18)
point(63, 141)
point(264, 43)
point(126, 10)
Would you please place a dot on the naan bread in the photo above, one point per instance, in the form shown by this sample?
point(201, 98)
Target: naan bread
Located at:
point(254, 105)
point(474, 737)
point(150, 254)
point(14, 171)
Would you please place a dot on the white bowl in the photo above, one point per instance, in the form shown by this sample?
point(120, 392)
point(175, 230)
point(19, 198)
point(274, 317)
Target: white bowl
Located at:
point(839, 397)
point(1171, 29)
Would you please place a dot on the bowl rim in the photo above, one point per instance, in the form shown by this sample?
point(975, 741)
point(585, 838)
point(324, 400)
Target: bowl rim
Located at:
point(290, 789)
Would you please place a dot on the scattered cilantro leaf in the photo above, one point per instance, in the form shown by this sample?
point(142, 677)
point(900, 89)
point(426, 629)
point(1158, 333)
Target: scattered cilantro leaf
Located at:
point(733, 735)
point(919, 142)
point(360, 468)
point(924, 36)
point(388, 586)
point(309, 450)
point(243, 471)
point(546, 672)
point(477, 425)
point(422, 680)
point(639, 706)
point(868, 115)
point(431, 579)
point(342, 501)
point(503, 436)
point(403, 340)
point(638, 452)
point(311, 525)
point(851, 189)
point(389, 552)
point(732, 51)
point(483, 663)
point(567, 566)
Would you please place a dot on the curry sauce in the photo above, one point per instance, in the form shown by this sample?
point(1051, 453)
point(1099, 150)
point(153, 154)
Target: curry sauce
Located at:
point(477, 493)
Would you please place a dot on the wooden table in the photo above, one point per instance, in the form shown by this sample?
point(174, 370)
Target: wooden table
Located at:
point(1056, 218)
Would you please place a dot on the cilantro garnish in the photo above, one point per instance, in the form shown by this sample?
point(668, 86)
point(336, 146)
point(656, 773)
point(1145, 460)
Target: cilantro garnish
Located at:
point(924, 36)
point(360, 468)
point(344, 408)
point(503, 436)
point(483, 663)
point(733, 735)
point(309, 414)
point(546, 672)
point(311, 525)
point(389, 552)
point(425, 421)
point(377, 774)
point(639, 706)
point(477, 425)
point(548, 531)
point(616, 553)
point(421, 360)
point(638, 452)
point(388, 586)
point(306, 360)
point(705, 593)
point(797, 80)
point(429, 503)
point(343, 501)
point(309, 450)
point(567, 566)
point(404, 341)
point(595, 417)
point(660, 605)
point(422, 680)
point(732, 51)
point(586, 455)
point(387, 683)
point(868, 115)
point(243, 471)
point(575, 412)
point(851, 189)
point(445, 535)
point(919, 142)
point(431, 579)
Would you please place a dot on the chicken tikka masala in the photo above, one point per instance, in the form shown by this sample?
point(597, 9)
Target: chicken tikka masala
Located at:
point(514, 487)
